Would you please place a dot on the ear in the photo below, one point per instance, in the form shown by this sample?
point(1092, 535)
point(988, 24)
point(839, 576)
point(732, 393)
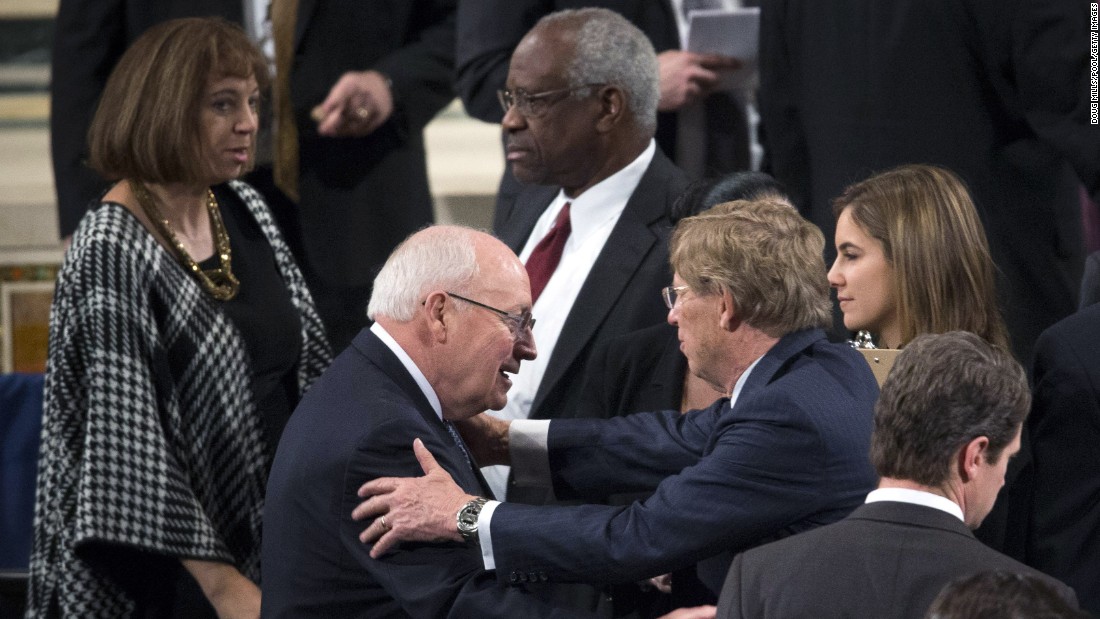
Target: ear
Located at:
point(728, 318)
point(972, 457)
point(437, 315)
point(612, 108)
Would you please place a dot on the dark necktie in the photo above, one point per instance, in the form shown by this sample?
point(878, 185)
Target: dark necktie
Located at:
point(547, 254)
point(458, 441)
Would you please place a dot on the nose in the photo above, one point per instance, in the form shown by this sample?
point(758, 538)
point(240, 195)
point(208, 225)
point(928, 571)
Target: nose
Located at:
point(673, 316)
point(524, 348)
point(835, 278)
point(249, 120)
point(513, 120)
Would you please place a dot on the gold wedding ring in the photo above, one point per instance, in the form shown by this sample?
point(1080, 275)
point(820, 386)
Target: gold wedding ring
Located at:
point(362, 113)
point(385, 527)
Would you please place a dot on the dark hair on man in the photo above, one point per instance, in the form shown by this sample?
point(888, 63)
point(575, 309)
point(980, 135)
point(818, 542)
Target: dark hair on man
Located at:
point(1001, 595)
point(705, 193)
point(147, 125)
point(944, 391)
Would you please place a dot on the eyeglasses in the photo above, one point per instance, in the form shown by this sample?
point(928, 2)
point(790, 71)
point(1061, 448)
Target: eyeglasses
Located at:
point(671, 294)
point(536, 104)
point(519, 324)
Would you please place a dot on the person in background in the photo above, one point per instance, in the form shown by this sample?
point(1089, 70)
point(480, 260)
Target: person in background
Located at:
point(912, 258)
point(1062, 535)
point(181, 337)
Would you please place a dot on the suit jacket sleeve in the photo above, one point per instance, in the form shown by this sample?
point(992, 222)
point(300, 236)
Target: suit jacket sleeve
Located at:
point(428, 580)
point(488, 31)
point(764, 469)
point(89, 39)
point(421, 72)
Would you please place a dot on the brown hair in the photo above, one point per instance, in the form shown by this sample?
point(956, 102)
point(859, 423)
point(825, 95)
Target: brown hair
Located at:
point(147, 124)
point(935, 243)
point(765, 254)
point(944, 391)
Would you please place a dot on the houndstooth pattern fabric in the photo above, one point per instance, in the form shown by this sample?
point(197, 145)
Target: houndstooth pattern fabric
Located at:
point(150, 438)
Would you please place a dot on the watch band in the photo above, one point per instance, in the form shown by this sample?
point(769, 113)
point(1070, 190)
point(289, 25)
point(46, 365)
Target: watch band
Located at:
point(467, 519)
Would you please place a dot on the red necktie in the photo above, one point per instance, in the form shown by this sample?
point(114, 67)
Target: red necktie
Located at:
point(547, 254)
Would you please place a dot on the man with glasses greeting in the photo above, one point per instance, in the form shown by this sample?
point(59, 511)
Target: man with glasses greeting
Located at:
point(787, 451)
point(591, 225)
point(452, 312)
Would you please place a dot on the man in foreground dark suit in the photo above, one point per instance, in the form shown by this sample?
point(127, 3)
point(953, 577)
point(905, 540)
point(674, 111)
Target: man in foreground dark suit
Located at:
point(784, 453)
point(581, 109)
point(452, 311)
point(947, 422)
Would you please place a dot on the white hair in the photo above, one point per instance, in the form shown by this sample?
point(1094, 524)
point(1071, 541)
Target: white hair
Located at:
point(611, 50)
point(437, 257)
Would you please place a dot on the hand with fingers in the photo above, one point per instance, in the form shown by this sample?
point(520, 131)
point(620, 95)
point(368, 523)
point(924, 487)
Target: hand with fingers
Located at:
point(686, 77)
point(357, 104)
point(416, 509)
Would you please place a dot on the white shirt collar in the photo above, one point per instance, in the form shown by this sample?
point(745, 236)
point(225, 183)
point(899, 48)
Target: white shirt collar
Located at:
point(916, 497)
point(740, 384)
point(603, 201)
point(406, 360)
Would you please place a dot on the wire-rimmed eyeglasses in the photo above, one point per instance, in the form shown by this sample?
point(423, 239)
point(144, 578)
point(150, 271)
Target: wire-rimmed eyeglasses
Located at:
point(520, 324)
point(671, 294)
point(535, 104)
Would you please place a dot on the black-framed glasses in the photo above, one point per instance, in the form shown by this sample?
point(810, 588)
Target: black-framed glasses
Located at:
point(671, 294)
point(536, 104)
point(519, 324)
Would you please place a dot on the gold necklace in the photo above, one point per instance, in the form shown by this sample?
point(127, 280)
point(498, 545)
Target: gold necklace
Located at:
point(219, 282)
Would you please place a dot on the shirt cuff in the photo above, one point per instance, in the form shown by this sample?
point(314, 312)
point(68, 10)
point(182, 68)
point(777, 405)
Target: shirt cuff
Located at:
point(485, 535)
point(527, 448)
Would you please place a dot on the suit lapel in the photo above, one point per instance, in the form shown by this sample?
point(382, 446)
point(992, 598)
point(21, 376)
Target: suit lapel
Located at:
point(524, 214)
point(787, 347)
point(630, 241)
point(470, 479)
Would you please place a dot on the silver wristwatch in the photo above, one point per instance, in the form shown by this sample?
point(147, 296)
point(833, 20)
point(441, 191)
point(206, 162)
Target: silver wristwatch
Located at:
point(467, 519)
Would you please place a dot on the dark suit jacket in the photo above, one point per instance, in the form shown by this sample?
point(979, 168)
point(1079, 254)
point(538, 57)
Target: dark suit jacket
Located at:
point(1090, 281)
point(790, 456)
point(887, 559)
point(621, 292)
point(1064, 532)
point(360, 197)
point(358, 423)
point(995, 90)
point(638, 371)
point(89, 38)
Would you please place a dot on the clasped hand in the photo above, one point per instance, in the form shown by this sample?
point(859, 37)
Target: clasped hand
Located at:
point(411, 509)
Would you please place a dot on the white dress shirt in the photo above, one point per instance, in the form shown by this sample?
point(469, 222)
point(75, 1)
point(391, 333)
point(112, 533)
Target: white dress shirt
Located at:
point(406, 360)
point(916, 497)
point(592, 216)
